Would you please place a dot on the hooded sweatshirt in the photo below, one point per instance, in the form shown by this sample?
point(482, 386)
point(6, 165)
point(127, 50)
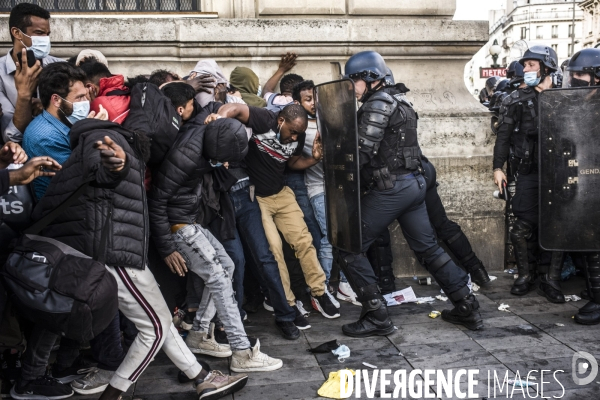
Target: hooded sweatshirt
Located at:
point(247, 82)
point(209, 66)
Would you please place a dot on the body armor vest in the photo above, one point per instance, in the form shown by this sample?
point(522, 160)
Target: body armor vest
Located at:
point(395, 148)
point(520, 110)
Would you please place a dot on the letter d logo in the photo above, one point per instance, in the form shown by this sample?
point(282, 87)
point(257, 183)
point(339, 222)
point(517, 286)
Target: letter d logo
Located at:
point(583, 366)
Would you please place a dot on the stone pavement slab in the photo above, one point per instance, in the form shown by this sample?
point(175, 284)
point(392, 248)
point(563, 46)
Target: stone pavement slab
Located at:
point(533, 335)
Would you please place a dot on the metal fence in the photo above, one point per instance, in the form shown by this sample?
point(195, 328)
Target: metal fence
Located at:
point(108, 5)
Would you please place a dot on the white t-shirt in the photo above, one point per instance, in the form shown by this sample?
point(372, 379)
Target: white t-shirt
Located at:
point(313, 176)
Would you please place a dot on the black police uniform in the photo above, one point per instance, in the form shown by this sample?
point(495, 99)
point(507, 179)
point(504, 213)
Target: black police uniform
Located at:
point(391, 157)
point(446, 230)
point(516, 143)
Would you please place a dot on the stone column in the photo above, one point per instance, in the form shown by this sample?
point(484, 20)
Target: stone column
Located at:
point(424, 48)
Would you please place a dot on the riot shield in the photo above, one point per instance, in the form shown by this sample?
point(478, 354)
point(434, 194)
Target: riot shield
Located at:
point(336, 121)
point(569, 146)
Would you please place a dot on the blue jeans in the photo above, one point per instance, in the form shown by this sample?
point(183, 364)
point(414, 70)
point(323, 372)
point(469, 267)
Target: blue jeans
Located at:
point(326, 250)
point(206, 257)
point(295, 181)
point(235, 251)
point(251, 231)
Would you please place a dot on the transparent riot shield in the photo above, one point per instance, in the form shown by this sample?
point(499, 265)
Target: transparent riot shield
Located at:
point(569, 146)
point(336, 121)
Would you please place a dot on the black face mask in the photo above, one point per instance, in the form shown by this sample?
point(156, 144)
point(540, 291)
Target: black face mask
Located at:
point(579, 83)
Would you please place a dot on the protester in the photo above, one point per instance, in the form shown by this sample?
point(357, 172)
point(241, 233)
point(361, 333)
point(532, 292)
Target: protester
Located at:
point(90, 53)
point(12, 153)
point(64, 98)
point(276, 101)
point(161, 76)
point(315, 186)
point(220, 92)
point(267, 156)
point(246, 81)
point(29, 29)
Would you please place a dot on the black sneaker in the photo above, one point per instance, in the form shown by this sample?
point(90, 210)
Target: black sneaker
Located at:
point(10, 364)
point(253, 304)
point(221, 336)
point(324, 305)
point(288, 330)
point(44, 387)
point(5, 389)
point(267, 305)
point(301, 322)
point(79, 369)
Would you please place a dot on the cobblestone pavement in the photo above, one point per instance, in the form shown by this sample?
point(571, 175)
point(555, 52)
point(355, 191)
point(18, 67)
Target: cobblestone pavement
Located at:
point(533, 335)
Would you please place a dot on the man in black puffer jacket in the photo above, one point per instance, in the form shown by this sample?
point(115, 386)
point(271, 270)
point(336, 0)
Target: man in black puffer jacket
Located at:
point(177, 202)
point(115, 204)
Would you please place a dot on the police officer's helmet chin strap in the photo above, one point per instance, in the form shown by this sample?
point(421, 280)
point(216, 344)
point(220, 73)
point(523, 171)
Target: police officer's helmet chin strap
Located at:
point(370, 90)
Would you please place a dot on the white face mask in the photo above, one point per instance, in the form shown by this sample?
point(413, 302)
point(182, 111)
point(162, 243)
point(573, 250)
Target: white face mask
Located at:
point(81, 110)
point(40, 45)
point(259, 91)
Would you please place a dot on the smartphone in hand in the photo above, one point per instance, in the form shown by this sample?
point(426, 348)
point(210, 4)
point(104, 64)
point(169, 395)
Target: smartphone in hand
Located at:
point(30, 58)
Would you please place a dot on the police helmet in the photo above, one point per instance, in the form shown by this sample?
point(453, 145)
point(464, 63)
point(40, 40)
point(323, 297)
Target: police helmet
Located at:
point(366, 65)
point(490, 84)
point(544, 54)
point(515, 69)
point(501, 86)
point(389, 78)
point(586, 61)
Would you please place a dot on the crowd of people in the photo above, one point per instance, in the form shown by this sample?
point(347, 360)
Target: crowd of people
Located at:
point(221, 184)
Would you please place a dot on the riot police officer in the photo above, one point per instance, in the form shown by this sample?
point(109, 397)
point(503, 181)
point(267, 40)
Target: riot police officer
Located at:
point(517, 135)
point(391, 157)
point(584, 70)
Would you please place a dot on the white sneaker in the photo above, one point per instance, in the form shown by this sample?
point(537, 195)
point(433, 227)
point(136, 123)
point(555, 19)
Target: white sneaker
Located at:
point(301, 308)
point(345, 293)
point(252, 360)
point(202, 343)
point(333, 300)
point(94, 382)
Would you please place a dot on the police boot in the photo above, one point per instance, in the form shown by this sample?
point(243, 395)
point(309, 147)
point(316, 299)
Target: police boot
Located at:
point(374, 319)
point(590, 313)
point(465, 311)
point(550, 278)
point(386, 280)
point(477, 271)
point(460, 246)
point(520, 233)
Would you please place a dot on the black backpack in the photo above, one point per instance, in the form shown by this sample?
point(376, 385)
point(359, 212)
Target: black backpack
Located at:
point(151, 112)
point(50, 283)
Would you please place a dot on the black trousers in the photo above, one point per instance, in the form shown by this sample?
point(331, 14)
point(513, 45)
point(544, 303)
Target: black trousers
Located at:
point(405, 202)
point(526, 207)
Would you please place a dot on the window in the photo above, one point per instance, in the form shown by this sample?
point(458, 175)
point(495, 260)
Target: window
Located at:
point(504, 61)
point(523, 33)
point(554, 12)
point(570, 52)
point(570, 30)
point(538, 13)
point(554, 31)
point(539, 32)
point(555, 47)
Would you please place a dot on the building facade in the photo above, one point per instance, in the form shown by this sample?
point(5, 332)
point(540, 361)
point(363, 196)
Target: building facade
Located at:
point(591, 23)
point(420, 42)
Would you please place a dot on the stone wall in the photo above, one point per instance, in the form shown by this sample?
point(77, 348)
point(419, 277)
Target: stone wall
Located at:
point(427, 52)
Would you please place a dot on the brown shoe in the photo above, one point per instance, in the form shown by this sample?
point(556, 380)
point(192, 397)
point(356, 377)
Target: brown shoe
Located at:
point(217, 385)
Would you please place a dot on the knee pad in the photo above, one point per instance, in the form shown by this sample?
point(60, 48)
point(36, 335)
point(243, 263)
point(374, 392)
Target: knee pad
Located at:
point(521, 230)
point(434, 263)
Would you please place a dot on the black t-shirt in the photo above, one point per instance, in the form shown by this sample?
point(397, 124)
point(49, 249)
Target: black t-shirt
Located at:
point(267, 157)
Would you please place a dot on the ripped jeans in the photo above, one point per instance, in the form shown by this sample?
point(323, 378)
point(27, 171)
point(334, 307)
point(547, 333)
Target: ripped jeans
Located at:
point(206, 257)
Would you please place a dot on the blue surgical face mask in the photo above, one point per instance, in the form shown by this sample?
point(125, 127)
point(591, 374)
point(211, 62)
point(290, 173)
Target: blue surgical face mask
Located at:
point(81, 110)
point(40, 45)
point(531, 78)
point(215, 164)
point(278, 133)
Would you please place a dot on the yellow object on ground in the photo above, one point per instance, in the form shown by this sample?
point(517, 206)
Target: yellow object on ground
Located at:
point(434, 314)
point(331, 387)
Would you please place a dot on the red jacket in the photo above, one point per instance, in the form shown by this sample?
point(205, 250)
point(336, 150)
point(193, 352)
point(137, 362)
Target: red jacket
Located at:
point(114, 97)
